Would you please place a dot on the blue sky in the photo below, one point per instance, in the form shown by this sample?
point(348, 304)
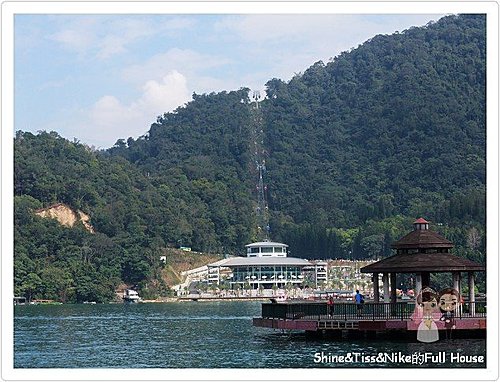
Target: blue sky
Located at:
point(99, 78)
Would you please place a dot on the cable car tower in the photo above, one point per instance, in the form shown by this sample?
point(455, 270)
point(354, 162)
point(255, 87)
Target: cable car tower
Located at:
point(262, 210)
point(256, 98)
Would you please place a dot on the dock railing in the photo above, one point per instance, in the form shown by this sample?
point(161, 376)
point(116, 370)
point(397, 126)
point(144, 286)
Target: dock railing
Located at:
point(349, 311)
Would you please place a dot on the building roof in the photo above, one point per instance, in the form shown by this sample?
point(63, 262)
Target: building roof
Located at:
point(221, 262)
point(263, 261)
point(422, 238)
point(420, 221)
point(320, 262)
point(266, 244)
point(423, 262)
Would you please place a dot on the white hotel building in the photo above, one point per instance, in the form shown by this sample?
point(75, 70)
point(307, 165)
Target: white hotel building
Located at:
point(266, 265)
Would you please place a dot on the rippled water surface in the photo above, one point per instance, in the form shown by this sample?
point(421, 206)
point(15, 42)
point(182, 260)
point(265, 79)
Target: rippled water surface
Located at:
point(184, 335)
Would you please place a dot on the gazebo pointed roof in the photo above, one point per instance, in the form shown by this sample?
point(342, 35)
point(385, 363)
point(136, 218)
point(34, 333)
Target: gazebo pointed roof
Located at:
point(421, 237)
point(423, 262)
point(422, 250)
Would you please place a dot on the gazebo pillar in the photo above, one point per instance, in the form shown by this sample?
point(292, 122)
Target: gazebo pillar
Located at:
point(456, 281)
point(426, 279)
point(376, 296)
point(418, 283)
point(472, 294)
point(393, 287)
point(385, 282)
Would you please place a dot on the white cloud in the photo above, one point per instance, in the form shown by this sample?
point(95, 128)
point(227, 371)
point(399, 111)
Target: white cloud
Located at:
point(74, 40)
point(193, 64)
point(315, 29)
point(78, 34)
point(123, 32)
point(267, 28)
point(111, 45)
point(166, 95)
point(109, 117)
point(105, 36)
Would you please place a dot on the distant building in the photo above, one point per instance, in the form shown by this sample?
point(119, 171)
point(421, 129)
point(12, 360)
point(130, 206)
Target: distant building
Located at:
point(346, 275)
point(266, 249)
point(266, 265)
point(320, 272)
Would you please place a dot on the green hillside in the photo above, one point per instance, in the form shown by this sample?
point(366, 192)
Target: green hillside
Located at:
point(395, 126)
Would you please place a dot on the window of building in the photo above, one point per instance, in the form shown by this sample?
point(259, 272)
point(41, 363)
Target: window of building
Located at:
point(267, 250)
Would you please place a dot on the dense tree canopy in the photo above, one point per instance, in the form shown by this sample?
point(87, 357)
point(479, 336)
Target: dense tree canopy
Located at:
point(354, 150)
point(395, 126)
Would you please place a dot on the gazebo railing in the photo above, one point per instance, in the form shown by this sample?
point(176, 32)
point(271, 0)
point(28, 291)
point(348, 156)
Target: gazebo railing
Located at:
point(369, 311)
point(471, 310)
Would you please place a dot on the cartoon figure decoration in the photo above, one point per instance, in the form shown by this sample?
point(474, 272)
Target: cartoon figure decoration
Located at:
point(427, 302)
point(449, 301)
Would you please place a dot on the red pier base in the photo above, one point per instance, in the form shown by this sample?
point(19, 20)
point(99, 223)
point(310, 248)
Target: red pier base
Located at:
point(274, 323)
point(361, 325)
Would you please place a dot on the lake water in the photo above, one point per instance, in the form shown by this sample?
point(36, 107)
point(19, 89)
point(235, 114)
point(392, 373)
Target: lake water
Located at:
point(190, 335)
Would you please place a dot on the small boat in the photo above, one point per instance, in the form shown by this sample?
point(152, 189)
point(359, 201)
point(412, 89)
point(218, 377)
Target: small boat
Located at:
point(130, 295)
point(19, 300)
point(278, 299)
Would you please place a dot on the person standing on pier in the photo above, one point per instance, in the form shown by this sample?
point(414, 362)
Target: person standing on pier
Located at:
point(330, 306)
point(360, 300)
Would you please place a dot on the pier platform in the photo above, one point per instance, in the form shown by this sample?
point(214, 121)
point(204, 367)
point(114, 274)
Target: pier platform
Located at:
point(375, 317)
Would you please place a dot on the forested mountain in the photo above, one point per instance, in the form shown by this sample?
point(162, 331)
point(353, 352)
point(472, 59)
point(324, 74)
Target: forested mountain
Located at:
point(354, 149)
point(200, 153)
point(395, 126)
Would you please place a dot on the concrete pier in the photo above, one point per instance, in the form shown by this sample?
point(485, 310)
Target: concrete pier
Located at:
point(375, 318)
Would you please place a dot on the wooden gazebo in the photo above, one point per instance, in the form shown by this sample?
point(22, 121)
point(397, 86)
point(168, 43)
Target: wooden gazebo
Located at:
point(421, 252)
